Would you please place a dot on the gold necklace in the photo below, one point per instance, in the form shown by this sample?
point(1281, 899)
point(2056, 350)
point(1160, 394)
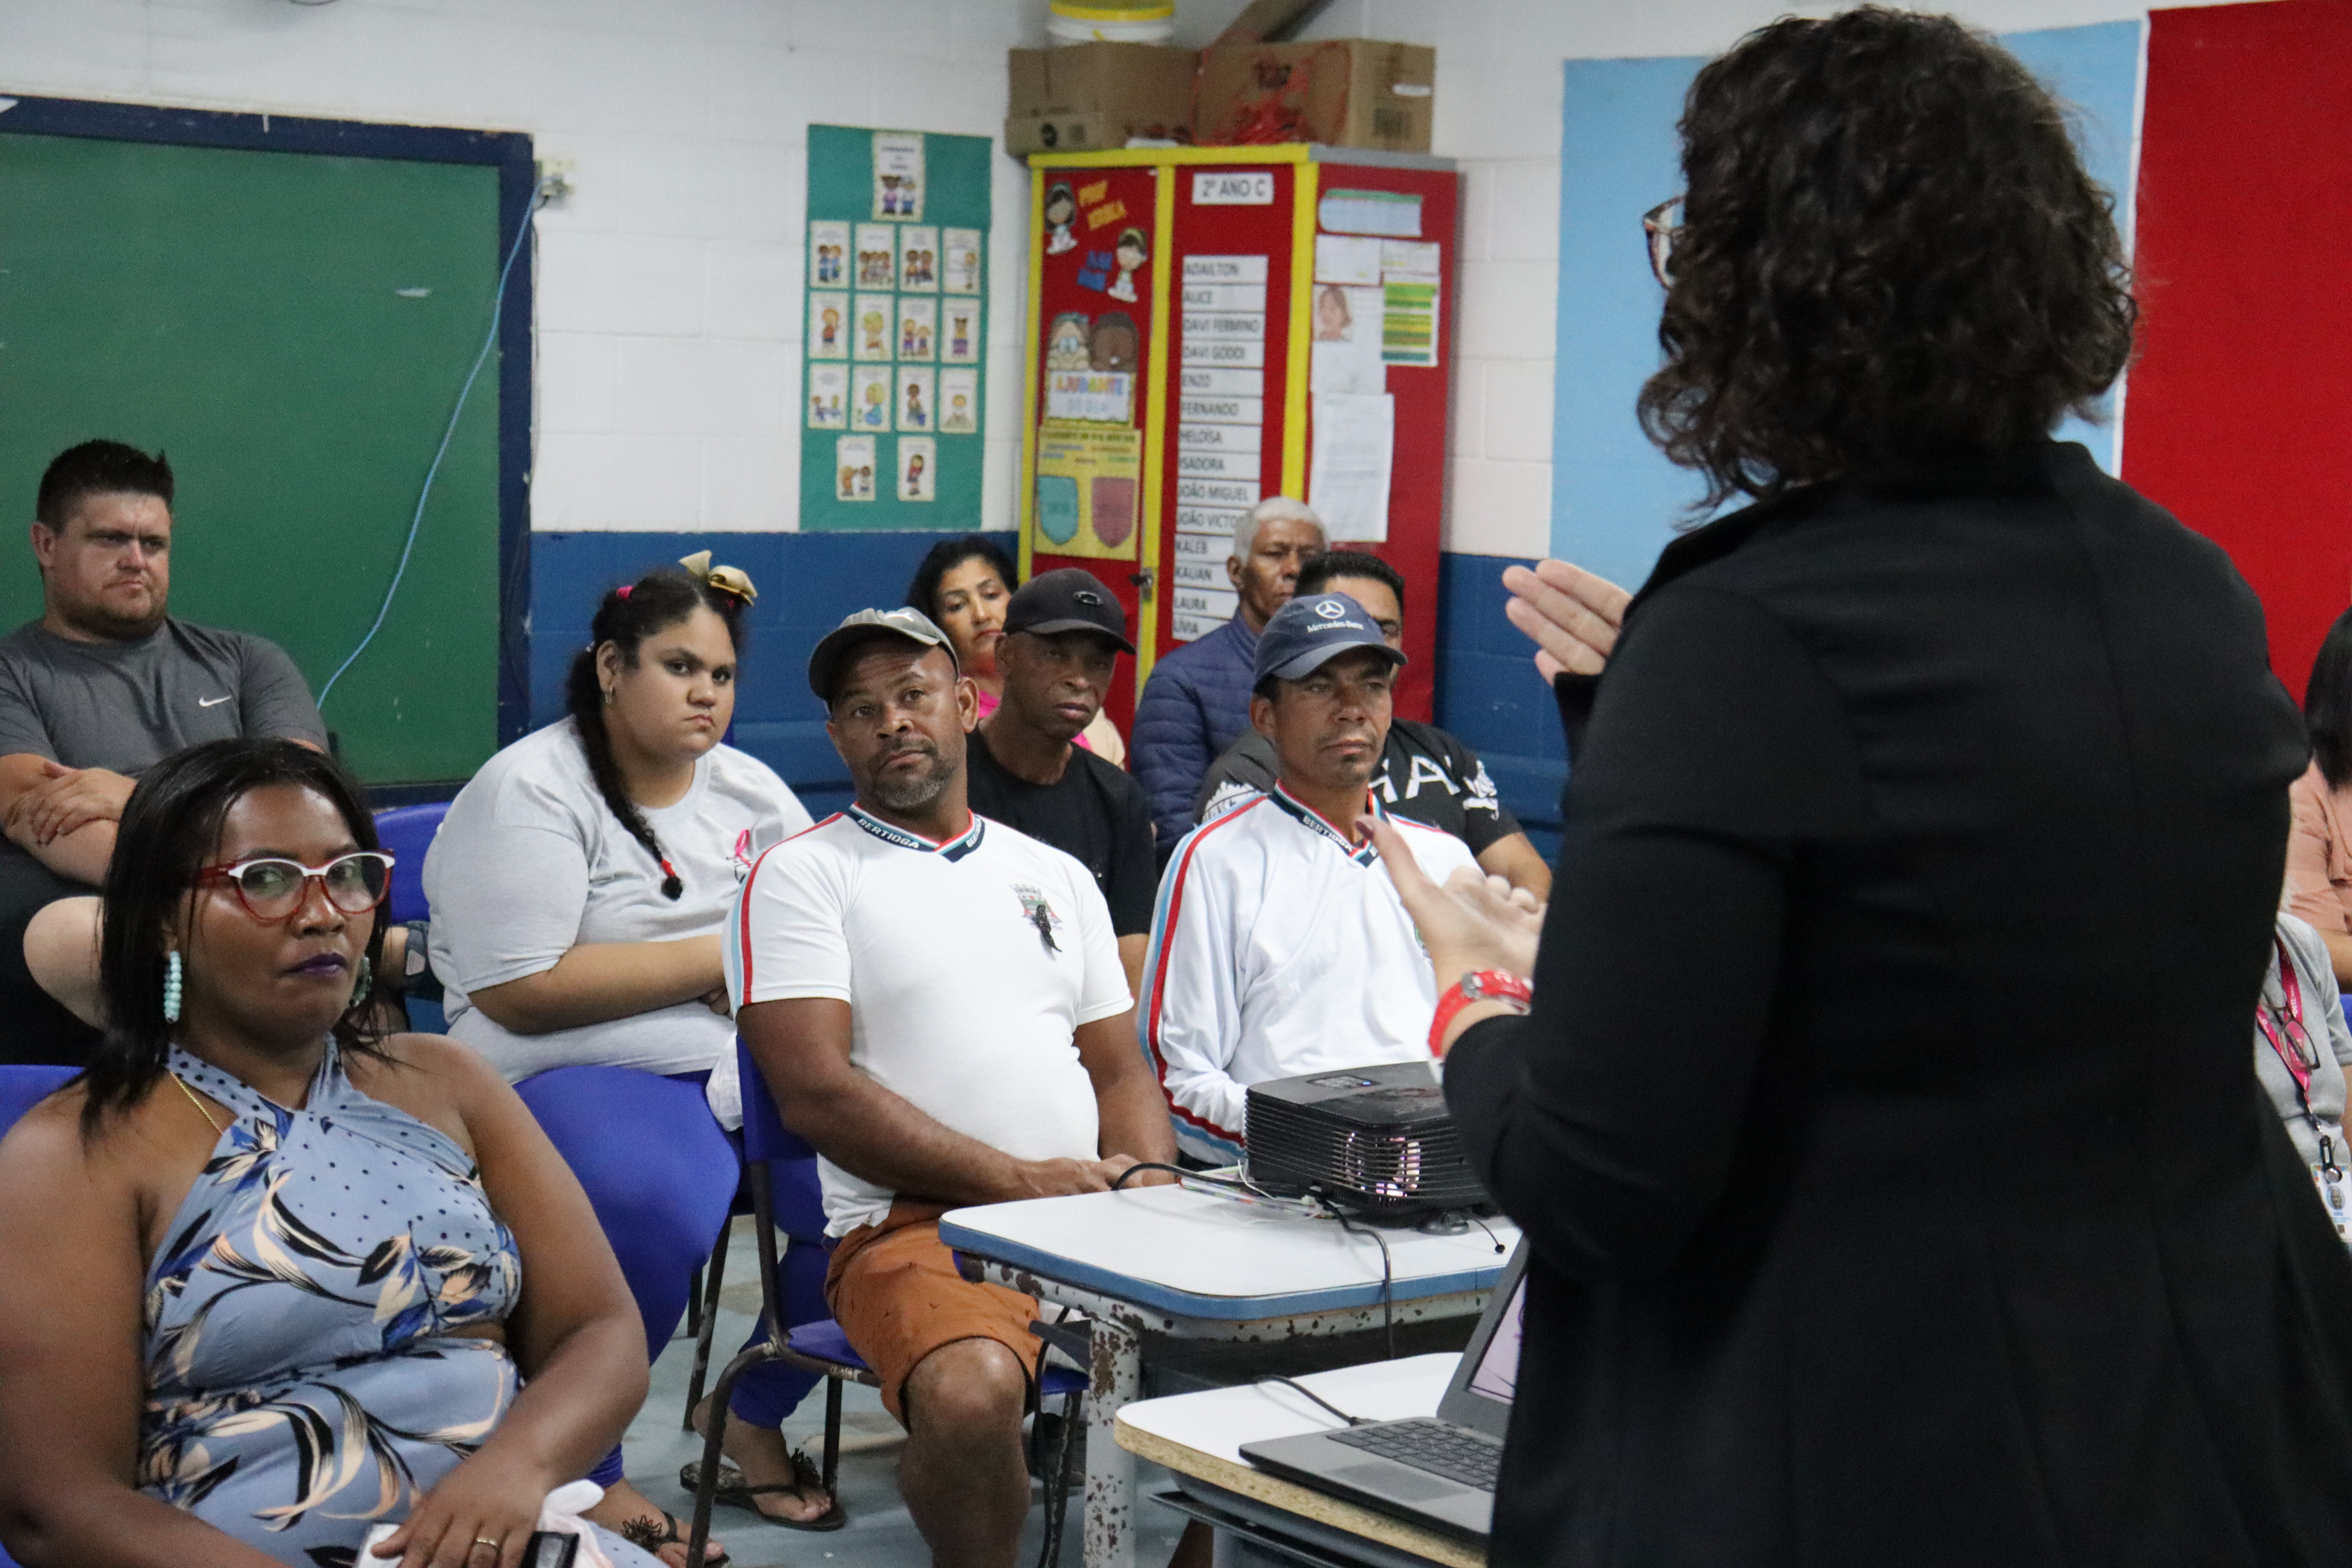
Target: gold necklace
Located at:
point(217, 1128)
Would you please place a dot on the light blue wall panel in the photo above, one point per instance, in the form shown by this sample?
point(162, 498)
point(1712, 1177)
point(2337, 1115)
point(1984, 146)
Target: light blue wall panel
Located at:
point(1615, 502)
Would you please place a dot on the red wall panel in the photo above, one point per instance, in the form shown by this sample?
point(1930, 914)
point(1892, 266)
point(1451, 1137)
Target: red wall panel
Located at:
point(2239, 417)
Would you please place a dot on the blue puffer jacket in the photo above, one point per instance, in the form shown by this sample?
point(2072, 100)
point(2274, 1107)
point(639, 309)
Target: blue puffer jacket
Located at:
point(1194, 706)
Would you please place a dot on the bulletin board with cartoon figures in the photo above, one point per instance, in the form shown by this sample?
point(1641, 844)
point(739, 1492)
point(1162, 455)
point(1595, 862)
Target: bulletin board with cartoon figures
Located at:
point(1212, 326)
point(894, 355)
point(1096, 296)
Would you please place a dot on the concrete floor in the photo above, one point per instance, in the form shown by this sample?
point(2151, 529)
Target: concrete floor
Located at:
point(879, 1534)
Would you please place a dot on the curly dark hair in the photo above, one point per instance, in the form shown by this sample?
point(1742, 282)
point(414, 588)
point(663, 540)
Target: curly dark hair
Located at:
point(1889, 254)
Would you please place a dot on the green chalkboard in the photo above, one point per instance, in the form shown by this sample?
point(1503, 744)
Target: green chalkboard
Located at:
point(891, 421)
point(292, 330)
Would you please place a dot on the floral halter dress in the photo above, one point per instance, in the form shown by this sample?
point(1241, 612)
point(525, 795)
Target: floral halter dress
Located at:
point(303, 1383)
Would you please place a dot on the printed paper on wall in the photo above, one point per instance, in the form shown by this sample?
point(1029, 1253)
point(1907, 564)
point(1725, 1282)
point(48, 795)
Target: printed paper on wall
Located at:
point(917, 407)
point(852, 466)
point(828, 397)
point(959, 331)
point(1089, 483)
point(959, 263)
point(877, 324)
point(877, 256)
point(919, 466)
point(919, 322)
point(828, 255)
point(919, 257)
point(898, 175)
point(958, 401)
point(870, 393)
point(829, 326)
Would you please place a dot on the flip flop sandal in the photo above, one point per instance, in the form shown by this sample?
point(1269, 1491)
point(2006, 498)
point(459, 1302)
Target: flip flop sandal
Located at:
point(651, 1538)
point(735, 1492)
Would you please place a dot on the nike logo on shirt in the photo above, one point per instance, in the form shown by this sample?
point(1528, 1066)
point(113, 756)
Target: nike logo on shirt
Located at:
point(210, 702)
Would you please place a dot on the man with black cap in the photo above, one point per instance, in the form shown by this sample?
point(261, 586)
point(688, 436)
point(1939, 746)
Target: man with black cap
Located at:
point(935, 1001)
point(1063, 632)
point(1279, 946)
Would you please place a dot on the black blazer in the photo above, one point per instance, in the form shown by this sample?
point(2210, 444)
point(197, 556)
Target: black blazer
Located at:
point(1885, 1128)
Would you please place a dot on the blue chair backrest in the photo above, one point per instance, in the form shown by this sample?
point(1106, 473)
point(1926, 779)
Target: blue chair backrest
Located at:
point(765, 1136)
point(792, 1164)
point(23, 1088)
point(407, 831)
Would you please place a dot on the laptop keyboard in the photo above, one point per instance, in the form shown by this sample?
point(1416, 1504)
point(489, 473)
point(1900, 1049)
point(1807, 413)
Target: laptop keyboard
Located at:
point(1431, 1446)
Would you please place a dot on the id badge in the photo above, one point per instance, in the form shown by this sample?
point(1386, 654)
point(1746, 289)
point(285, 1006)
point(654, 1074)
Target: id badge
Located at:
point(2334, 1190)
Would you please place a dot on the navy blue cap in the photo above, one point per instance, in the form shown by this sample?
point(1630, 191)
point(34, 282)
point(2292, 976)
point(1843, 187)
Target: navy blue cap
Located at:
point(1310, 632)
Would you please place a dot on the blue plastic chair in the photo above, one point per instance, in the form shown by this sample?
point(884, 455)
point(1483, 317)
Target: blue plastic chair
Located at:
point(21, 1089)
point(776, 1162)
point(407, 831)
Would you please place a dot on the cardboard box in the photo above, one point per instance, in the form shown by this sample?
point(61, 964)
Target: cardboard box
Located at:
point(1342, 92)
point(1087, 97)
point(1268, 21)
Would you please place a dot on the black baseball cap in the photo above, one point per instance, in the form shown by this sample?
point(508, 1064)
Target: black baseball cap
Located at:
point(1070, 600)
point(865, 626)
point(1309, 633)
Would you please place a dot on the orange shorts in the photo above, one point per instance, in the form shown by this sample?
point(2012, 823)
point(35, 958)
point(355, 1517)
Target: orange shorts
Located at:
point(893, 1289)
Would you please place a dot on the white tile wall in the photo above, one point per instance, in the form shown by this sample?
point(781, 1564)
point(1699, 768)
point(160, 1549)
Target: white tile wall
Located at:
point(669, 313)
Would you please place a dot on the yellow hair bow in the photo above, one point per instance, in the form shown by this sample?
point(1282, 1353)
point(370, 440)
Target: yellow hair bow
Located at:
point(726, 579)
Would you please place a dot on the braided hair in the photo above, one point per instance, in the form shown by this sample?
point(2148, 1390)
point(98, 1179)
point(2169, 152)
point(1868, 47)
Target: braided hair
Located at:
point(628, 616)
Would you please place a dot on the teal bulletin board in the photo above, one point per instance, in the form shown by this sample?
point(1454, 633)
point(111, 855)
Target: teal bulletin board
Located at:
point(894, 362)
point(290, 329)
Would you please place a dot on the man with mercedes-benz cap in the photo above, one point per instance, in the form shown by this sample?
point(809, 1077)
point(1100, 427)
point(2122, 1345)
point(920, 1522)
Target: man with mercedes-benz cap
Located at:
point(1279, 947)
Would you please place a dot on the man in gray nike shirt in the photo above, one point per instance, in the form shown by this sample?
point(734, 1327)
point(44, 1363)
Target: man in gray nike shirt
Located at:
point(105, 684)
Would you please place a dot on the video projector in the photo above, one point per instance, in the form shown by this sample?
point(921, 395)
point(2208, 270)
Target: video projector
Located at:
point(1377, 1141)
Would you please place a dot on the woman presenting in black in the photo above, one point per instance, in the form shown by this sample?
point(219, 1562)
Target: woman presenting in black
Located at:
point(1897, 1185)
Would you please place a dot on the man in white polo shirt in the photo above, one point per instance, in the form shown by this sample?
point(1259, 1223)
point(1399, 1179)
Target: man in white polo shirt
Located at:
point(1278, 945)
point(937, 1003)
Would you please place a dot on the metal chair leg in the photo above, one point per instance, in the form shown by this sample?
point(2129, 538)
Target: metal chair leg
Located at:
point(705, 1494)
point(831, 1467)
point(713, 1275)
point(1058, 1486)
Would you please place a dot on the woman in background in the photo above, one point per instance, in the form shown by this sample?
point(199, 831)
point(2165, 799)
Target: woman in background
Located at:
point(1945, 1222)
point(267, 1281)
point(963, 584)
point(2319, 851)
point(578, 886)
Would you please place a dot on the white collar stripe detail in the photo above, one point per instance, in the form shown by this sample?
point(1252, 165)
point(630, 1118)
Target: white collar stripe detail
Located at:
point(954, 848)
point(1362, 854)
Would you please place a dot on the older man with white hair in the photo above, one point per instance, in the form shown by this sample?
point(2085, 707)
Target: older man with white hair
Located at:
point(1197, 701)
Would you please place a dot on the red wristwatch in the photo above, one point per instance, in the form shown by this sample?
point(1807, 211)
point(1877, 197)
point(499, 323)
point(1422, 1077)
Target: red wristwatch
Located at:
point(1478, 986)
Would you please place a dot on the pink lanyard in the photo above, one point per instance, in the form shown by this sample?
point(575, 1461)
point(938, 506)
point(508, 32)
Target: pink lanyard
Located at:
point(2282, 1027)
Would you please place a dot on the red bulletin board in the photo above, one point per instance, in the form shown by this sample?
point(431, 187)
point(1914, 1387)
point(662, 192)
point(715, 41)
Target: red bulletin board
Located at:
point(1423, 410)
point(2237, 414)
point(1224, 304)
point(1093, 354)
point(1216, 235)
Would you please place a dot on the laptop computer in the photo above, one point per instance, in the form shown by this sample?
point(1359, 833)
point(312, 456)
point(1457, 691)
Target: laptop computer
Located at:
point(1437, 1471)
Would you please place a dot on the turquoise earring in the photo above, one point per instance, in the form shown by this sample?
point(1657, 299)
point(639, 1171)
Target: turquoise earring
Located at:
point(367, 981)
point(171, 987)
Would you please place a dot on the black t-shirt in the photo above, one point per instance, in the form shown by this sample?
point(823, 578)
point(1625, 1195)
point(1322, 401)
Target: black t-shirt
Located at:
point(1096, 813)
point(1425, 774)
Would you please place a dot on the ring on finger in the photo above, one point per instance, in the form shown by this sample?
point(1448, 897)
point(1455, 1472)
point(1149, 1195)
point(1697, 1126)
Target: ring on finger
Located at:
point(486, 1540)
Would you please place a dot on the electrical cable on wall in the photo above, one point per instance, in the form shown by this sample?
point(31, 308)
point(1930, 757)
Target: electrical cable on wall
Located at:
point(489, 341)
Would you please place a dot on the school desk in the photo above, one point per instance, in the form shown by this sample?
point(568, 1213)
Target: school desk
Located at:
point(1189, 1264)
point(1199, 1437)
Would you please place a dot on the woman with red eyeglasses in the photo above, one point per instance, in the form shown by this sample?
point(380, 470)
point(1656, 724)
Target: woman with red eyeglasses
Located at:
point(267, 1279)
